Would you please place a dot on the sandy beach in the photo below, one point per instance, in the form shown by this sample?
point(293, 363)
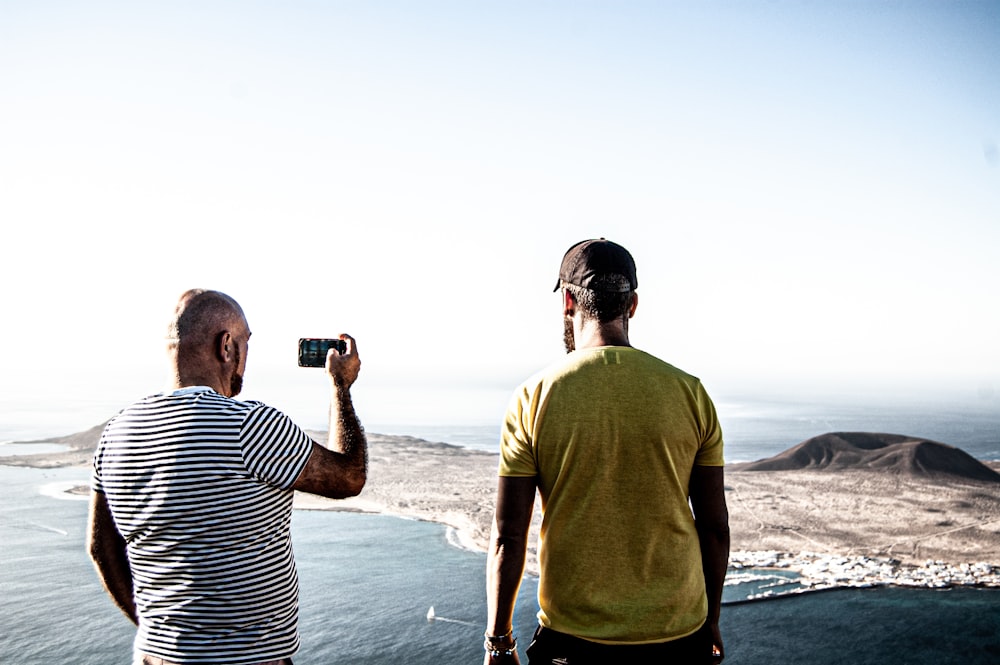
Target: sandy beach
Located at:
point(839, 513)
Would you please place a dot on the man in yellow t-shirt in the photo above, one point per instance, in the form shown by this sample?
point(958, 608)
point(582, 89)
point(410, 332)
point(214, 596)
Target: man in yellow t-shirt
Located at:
point(625, 451)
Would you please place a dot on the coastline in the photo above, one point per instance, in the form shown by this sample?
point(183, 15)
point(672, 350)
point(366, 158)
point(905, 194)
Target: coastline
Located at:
point(848, 528)
point(416, 479)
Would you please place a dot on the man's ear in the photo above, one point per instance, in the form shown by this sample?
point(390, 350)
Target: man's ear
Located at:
point(635, 303)
point(569, 304)
point(224, 346)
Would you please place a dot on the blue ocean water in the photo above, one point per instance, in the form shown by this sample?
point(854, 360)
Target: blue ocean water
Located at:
point(368, 581)
point(754, 429)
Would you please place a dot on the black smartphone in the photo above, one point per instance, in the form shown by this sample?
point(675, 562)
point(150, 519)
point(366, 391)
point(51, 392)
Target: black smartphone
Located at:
point(312, 350)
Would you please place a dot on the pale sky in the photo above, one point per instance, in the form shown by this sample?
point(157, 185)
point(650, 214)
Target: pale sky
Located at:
point(811, 190)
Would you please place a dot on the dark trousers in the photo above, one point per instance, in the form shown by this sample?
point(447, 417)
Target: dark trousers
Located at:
point(549, 647)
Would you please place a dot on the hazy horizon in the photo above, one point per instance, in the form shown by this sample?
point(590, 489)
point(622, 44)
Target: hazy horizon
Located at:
point(811, 191)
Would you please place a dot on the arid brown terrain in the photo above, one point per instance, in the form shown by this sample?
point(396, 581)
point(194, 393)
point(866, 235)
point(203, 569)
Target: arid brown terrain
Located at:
point(880, 497)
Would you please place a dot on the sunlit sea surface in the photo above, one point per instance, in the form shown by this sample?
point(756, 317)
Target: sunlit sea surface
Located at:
point(368, 581)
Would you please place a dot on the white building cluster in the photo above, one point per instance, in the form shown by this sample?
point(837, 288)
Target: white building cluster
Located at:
point(824, 571)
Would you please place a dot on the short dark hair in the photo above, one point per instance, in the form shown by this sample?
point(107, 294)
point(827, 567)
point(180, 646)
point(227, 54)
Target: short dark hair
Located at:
point(608, 302)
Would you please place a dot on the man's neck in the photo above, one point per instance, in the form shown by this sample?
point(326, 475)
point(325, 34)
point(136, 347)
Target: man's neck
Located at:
point(178, 381)
point(591, 335)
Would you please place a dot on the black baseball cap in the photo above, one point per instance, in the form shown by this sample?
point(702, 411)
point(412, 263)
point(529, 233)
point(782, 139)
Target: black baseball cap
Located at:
point(588, 260)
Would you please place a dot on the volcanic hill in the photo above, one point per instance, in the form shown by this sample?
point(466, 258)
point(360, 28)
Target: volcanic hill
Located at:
point(888, 453)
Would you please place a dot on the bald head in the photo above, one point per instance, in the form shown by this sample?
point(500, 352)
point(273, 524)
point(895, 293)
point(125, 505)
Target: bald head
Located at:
point(207, 338)
point(200, 315)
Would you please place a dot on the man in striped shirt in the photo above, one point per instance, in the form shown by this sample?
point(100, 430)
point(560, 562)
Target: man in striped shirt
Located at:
point(192, 496)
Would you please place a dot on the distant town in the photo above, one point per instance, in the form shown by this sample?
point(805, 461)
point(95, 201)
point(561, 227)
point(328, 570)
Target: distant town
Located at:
point(818, 572)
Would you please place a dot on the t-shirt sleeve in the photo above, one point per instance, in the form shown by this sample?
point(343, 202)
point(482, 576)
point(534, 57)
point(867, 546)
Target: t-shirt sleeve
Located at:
point(275, 450)
point(711, 451)
point(517, 456)
point(96, 483)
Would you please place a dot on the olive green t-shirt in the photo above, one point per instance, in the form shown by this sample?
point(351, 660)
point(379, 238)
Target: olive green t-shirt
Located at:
point(611, 435)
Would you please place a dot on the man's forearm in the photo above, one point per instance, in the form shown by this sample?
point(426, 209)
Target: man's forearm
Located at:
point(711, 518)
point(505, 560)
point(108, 552)
point(505, 568)
point(346, 435)
point(714, 561)
point(118, 583)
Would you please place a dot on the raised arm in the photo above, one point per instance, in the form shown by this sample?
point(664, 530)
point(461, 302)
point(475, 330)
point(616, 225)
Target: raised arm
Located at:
point(340, 469)
point(711, 517)
point(108, 552)
point(506, 556)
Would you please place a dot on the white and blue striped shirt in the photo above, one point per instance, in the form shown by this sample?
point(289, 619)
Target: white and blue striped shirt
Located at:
point(200, 487)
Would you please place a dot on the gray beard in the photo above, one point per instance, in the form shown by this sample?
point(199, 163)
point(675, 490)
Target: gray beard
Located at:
point(235, 384)
point(569, 340)
point(236, 380)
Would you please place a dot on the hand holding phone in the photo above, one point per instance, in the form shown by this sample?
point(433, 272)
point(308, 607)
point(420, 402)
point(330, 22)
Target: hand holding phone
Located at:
point(313, 350)
point(342, 366)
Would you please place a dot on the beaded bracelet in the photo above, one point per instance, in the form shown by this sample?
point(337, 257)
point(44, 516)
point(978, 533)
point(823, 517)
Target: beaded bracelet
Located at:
point(495, 651)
